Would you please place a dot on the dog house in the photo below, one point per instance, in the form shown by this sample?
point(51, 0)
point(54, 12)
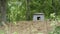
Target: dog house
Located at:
point(38, 16)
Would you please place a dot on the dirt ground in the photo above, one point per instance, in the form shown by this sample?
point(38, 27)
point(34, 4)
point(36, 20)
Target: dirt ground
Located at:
point(28, 27)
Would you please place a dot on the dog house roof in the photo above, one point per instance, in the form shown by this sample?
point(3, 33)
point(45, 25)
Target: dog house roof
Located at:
point(38, 13)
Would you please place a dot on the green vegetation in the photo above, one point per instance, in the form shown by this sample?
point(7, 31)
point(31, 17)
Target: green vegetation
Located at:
point(22, 10)
point(15, 33)
point(56, 31)
point(2, 32)
point(17, 9)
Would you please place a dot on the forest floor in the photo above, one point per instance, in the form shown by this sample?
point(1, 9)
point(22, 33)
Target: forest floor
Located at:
point(27, 27)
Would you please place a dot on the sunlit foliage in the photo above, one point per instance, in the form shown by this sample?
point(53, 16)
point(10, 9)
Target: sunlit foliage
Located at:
point(17, 9)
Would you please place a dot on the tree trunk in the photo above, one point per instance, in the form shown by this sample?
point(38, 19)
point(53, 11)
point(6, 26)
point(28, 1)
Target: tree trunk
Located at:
point(27, 10)
point(3, 10)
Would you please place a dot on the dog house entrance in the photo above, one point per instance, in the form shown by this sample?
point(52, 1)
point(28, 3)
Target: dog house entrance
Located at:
point(38, 18)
